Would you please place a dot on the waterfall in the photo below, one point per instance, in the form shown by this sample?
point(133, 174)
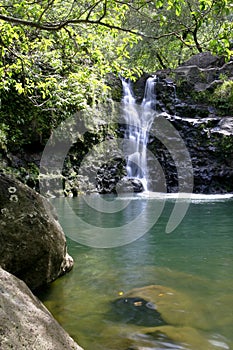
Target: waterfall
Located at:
point(139, 119)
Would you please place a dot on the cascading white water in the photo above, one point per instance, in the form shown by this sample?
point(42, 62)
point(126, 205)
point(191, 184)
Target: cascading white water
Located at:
point(138, 123)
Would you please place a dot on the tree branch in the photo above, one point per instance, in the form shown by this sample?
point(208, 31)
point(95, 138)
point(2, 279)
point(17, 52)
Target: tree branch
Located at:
point(61, 25)
point(91, 9)
point(45, 9)
point(104, 12)
point(32, 24)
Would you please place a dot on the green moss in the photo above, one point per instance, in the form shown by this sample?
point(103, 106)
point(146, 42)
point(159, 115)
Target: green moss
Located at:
point(3, 136)
point(220, 97)
point(223, 96)
point(225, 146)
point(204, 97)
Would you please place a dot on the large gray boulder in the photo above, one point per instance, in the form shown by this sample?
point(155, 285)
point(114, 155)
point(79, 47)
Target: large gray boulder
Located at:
point(25, 323)
point(32, 243)
point(205, 60)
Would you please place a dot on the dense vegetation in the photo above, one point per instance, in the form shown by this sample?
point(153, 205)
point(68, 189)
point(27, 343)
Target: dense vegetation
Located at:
point(55, 54)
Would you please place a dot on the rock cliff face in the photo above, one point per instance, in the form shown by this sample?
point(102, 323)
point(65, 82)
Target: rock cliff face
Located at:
point(25, 323)
point(197, 99)
point(32, 243)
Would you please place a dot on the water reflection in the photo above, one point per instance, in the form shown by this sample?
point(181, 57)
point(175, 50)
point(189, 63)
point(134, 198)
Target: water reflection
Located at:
point(95, 225)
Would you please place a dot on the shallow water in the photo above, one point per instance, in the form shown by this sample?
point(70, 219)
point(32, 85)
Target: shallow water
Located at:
point(186, 275)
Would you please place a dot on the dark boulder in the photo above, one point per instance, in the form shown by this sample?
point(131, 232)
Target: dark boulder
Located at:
point(129, 185)
point(32, 243)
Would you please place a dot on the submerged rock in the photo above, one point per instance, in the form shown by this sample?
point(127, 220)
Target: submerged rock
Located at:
point(25, 323)
point(159, 317)
point(137, 311)
point(166, 305)
point(32, 242)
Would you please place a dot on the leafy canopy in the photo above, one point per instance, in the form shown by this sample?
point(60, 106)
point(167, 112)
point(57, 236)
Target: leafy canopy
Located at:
point(55, 54)
point(54, 58)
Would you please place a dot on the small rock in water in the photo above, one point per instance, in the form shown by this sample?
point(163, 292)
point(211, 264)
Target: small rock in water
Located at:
point(129, 185)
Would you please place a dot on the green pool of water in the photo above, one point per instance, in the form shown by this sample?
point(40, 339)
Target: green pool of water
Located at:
point(186, 275)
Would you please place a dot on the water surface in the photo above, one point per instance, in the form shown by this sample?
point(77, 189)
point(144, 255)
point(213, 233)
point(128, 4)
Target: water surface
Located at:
point(186, 275)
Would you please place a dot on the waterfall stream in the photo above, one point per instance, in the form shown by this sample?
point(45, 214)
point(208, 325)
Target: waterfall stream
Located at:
point(139, 119)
